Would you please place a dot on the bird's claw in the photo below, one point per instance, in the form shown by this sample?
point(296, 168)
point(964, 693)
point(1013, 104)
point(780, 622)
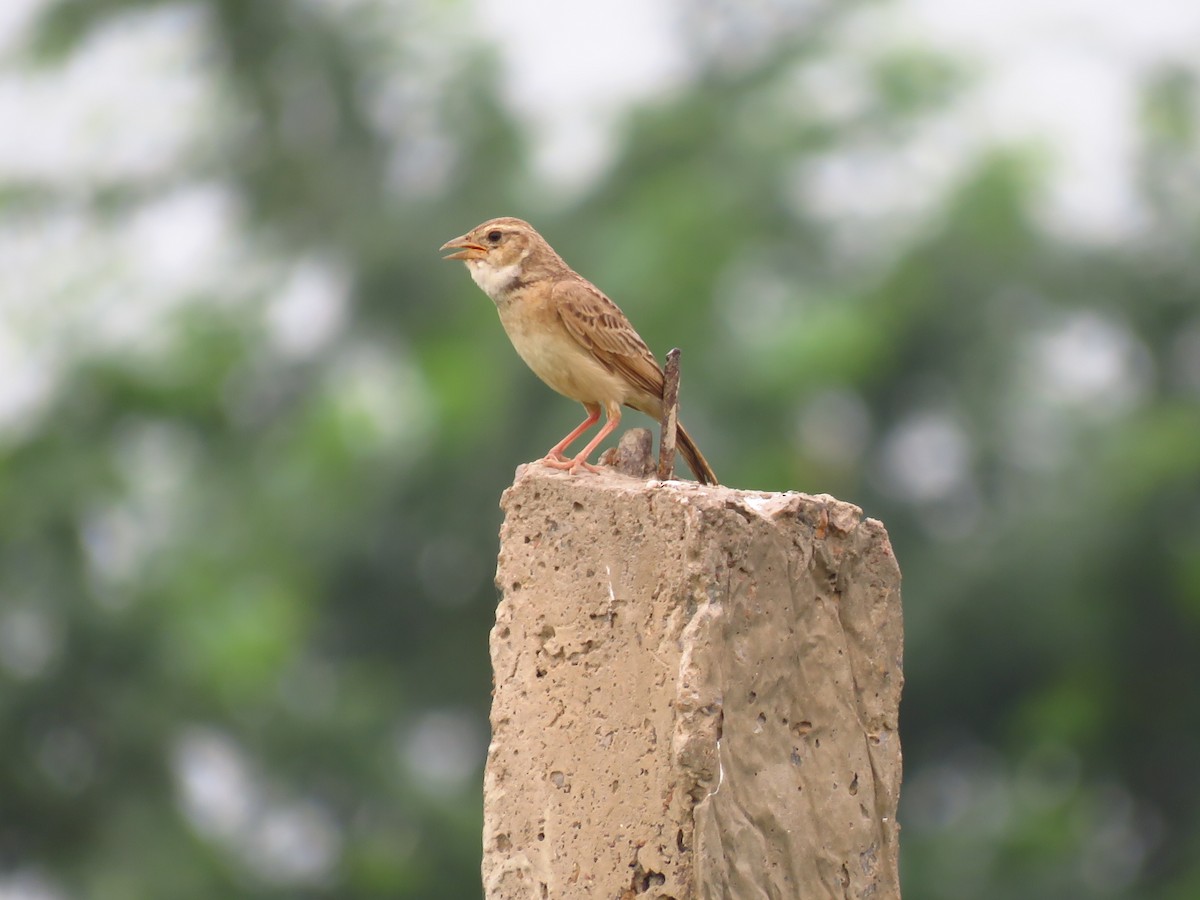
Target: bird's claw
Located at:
point(573, 466)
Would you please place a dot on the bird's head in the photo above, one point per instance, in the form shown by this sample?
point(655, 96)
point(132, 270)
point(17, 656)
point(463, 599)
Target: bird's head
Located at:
point(501, 252)
point(501, 242)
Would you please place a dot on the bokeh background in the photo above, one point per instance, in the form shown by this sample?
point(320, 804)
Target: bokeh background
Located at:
point(937, 257)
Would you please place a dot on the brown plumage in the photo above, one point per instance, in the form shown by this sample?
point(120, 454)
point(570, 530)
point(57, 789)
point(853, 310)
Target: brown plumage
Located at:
point(573, 337)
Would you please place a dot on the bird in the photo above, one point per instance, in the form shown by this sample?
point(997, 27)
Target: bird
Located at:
point(570, 334)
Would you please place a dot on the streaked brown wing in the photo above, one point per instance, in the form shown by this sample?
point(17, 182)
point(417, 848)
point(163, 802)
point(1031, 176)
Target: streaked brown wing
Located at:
point(601, 328)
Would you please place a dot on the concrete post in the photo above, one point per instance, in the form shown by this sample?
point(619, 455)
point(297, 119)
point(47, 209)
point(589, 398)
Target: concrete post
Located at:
point(696, 695)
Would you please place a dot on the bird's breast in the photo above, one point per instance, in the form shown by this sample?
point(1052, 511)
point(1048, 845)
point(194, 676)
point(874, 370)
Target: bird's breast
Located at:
point(546, 346)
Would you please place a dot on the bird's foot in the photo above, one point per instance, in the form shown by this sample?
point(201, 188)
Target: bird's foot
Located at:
point(574, 466)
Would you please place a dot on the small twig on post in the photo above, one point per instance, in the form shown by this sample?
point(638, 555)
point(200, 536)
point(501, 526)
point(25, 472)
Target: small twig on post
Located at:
point(670, 416)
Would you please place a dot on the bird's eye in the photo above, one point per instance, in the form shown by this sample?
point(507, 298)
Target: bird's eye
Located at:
point(494, 236)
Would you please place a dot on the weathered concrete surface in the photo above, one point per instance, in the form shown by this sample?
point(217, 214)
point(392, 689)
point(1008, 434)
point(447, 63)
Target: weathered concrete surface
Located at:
point(696, 695)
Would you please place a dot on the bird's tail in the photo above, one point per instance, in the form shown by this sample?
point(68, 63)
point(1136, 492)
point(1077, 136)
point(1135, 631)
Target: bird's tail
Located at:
point(694, 458)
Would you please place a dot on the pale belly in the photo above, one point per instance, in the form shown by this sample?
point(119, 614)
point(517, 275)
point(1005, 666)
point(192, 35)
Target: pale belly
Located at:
point(566, 367)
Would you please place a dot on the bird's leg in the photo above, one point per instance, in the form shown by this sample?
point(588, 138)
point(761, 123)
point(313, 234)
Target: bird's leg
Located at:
point(613, 411)
point(556, 452)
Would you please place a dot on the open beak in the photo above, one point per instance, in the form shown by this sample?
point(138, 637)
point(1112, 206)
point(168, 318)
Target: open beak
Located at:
point(464, 248)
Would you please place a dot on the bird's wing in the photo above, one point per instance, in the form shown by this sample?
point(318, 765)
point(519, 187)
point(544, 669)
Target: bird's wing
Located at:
point(602, 329)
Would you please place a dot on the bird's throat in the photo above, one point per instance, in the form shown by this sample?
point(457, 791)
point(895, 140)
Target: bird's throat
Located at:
point(495, 281)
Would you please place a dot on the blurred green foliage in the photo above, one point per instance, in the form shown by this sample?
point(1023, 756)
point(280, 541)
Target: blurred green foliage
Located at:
point(245, 581)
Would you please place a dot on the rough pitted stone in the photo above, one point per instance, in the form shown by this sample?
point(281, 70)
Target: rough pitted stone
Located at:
point(696, 695)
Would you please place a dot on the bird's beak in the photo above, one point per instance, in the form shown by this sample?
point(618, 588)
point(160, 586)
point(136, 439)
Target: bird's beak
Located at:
point(465, 248)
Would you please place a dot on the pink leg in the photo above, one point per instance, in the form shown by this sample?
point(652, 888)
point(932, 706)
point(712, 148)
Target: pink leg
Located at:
point(556, 452)
point(613, 410)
